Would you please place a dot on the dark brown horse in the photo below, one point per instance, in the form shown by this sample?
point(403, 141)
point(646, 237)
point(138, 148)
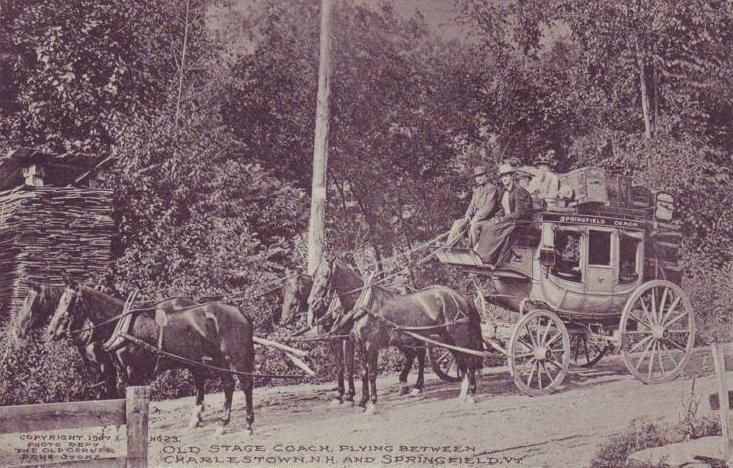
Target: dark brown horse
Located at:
point(213, 334)
point(438, 311)
point(454, 317)
point(40, 303)
point(336, 276)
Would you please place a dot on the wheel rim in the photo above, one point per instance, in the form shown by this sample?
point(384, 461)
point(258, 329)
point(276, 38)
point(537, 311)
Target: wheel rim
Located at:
point(657, 332)
point(584, 352)
point(539, 352)
point(444, 364)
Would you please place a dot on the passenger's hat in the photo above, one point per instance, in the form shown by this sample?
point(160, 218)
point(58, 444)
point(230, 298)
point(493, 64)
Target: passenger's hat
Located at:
point(547, 158)
point(479, 171)
point(523, 174)
point(506, 169)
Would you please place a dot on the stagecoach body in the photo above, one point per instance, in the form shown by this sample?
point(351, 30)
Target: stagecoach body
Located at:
point(617, 288)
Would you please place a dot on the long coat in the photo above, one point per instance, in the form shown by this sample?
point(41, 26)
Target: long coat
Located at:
point(496, 238)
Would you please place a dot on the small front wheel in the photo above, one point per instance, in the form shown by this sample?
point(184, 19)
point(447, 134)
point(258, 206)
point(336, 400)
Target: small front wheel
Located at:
point(539, 352)
point(444, 364)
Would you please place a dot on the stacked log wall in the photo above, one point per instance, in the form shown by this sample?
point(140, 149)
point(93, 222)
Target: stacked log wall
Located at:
point(46, 231)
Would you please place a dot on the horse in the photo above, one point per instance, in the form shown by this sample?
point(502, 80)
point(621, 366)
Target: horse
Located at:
point(41, 302)
point(337, 276)
point(214, 334)
point(453, 317)
point(296, 289)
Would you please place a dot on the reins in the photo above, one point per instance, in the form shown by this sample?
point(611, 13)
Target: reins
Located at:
point(135, 310)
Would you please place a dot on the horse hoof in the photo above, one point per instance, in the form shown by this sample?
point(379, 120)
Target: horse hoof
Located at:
point(249, 431)
point(416, 392)
point(193, 424)
point(220, 430)
point(404, 389)
point(470, 400)
point(371, 409)
point(360, 409)
point(335, 403)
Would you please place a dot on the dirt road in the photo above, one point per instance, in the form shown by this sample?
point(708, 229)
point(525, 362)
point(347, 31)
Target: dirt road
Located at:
point(295, 426)
point(503, 427)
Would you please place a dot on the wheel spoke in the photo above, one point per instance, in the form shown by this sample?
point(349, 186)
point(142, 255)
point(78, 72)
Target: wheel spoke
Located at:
point(554, 339)
point(654, 306)
point(676, 319)
point(531, 336)
point(644, 308)
point(639, 344)
point(547, 330)
point(547, 373)
point(675, 344)
point(538, 340)
point(671, 355)
point(661, 304)
point(651, 360)
point(526, 345)
point(672, 306)
point(643, 354)
point(539, 374)
point(640, 320)
point(659, 358)
point(531, 373)
point(555, 363)
point(523, 355)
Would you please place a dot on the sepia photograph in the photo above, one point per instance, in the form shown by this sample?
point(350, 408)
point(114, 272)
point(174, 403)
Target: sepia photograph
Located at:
point(366, 233)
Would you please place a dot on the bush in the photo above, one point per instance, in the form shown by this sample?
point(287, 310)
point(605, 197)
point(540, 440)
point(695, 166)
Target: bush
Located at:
point(643, 434)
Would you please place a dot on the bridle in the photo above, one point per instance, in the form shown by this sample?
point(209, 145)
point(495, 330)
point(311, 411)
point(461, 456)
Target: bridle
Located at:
point(321, 301)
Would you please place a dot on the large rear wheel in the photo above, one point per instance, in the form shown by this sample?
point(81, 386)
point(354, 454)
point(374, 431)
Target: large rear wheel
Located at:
point(539, 352)
point(657, 331)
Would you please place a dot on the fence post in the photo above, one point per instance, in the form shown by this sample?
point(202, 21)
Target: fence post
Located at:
point(136, 408)
point(723, 361)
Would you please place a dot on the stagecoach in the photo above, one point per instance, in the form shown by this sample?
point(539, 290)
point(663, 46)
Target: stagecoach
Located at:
point(582, 281)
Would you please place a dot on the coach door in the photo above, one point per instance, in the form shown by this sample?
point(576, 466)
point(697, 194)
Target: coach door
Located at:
point(600, 254)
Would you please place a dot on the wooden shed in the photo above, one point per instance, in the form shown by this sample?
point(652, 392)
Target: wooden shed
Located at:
point(46, 230)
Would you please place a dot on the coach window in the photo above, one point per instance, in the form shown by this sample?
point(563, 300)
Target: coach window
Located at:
point(599, 248)
point(628, 248)
point(567, 245)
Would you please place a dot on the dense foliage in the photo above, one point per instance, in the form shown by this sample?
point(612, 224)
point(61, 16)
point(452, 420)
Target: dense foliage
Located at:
point(207, 109)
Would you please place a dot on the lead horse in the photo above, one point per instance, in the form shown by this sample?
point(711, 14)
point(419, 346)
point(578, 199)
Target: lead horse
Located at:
point(41, 302)
point(420, 307)
point(214, 334)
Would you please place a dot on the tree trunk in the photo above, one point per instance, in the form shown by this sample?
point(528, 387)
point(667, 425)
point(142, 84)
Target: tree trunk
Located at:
point(644, 95)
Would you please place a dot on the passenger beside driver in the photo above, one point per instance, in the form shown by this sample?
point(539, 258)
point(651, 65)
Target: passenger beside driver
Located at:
point(545, 183)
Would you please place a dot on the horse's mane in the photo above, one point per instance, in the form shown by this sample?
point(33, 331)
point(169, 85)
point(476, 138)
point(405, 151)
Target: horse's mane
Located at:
point(49, 294)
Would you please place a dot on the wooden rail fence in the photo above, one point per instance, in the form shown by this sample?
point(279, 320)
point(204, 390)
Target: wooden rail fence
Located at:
point(131, 411)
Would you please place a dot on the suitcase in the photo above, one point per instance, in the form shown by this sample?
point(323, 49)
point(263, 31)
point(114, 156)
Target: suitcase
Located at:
point(588, 184)
point(619, 190)
point(641, 197)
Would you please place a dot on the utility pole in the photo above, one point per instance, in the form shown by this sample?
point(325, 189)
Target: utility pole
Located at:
point(320, 146)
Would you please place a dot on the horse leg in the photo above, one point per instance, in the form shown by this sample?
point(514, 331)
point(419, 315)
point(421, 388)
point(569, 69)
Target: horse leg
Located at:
point(247, 387)
point(420, 372)
point(199, 379)
point(227, 383)
point(364, 376)
point(109, 373)
point(471, 373)
point(372, 358)
point(409, 354)
point(339, 362)
point(348, 347)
